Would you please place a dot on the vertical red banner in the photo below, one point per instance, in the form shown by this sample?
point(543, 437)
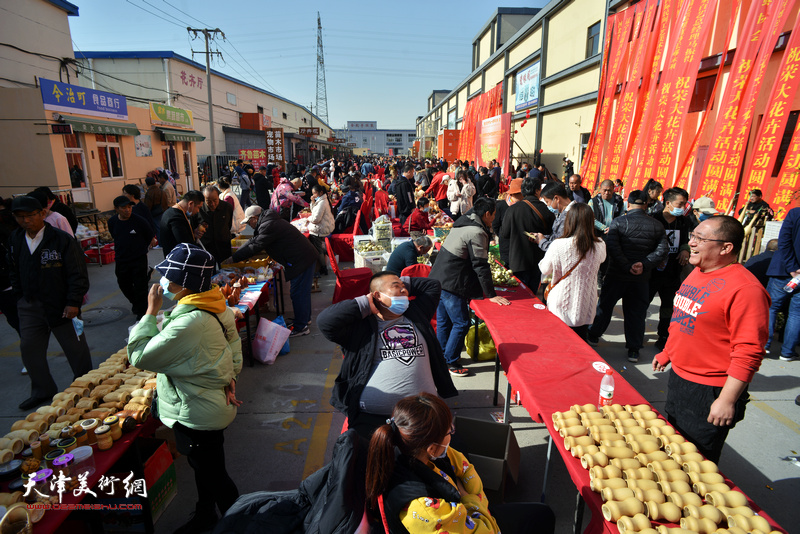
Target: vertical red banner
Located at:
point(786, 192)
point(610, 23)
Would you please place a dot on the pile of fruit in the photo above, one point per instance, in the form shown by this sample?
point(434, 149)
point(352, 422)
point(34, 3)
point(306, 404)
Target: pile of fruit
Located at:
point(500, 275)
point(102, 228)
point(369, 247)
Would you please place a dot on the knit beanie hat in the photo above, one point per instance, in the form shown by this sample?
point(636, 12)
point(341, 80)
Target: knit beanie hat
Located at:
point(189, 266)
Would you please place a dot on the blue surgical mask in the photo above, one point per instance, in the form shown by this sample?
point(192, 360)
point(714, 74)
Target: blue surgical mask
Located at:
point(399, 304)
point(165, 286)
point(676, 212)
point(552, 209)
point(703, 217)
point(426, 209)
point(444, 452)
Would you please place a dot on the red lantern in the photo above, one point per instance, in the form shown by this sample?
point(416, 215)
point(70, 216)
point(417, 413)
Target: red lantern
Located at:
point(515, 131)
point(528, 114)
point(541, 151)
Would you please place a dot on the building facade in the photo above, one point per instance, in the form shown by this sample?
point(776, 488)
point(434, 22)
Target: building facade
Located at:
point(364, 137)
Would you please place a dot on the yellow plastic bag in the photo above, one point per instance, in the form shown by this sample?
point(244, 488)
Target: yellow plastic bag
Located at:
point(486, 348)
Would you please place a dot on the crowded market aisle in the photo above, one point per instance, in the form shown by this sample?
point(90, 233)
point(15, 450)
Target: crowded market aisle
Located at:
point(286, 427)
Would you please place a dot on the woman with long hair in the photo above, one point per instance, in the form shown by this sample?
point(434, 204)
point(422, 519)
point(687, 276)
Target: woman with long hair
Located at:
point(460, 193)
point(653, 190)
point(226, 193)
point(573, 260)
point(427, 486)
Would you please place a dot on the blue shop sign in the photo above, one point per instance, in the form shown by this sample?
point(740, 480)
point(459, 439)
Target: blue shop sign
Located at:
point(59, 96)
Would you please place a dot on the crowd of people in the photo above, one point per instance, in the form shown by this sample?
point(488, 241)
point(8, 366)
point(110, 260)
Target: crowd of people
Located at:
point(586, 251)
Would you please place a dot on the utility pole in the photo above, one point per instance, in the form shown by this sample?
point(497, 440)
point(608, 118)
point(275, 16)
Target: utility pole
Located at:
point(308, 137)
point(322, 91)
point(209, 36)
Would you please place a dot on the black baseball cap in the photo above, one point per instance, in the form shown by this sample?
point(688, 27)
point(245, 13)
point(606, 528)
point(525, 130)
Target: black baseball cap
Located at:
point(636, 197)
point(122, 201)
point(25, 203)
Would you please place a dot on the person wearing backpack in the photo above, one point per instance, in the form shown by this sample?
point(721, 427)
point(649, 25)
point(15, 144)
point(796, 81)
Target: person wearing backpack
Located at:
point(245, 184)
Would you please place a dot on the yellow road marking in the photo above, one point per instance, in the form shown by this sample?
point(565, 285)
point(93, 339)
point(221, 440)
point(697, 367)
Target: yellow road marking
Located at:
point(319, 437)
point(775, 414)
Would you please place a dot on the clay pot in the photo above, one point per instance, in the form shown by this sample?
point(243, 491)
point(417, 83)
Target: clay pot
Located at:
point(706, 466)
point(650, 423)
point(39, 426)
point(577, 430)
point(572, 441)
point(708, 478)
point(625, 463)
point(643, 484)
point(665, 465)
point(622, 424)
point(608, 471)
point(685, 499)
point(614, 443)
point(645, 416)
point(680, 448)
point(705, 511)
point(687, 457)
point(612, 408)
point(620, 416)
point(580, 450)
point(608, 436)
point(569, 414)
point(650, 495)
point(671, 476)
point(616, 494)
point(678, 486)
point(637, 523)
point(663, 511)
point(617, 452)
point(727, 498)
point(599, 484)
point(701, 488)
point(581, 408)
point(566, 423)
point(639, 473)
point(636, 431)
point(590, 460)
point(638, 408)
point(664, 430)
point(587, 417)
point(700, 525)
point(727, 511)
point(613, 510)
point(645, 447)
point(670, 438)
point(749, 523)
point(655, 456)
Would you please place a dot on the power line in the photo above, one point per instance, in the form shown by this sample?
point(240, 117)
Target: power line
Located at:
point(155, 15)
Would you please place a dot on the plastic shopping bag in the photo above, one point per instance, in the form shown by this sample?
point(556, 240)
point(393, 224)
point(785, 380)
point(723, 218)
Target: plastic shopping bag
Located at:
point(280, 321)
point(270, 338)
point(486, 348)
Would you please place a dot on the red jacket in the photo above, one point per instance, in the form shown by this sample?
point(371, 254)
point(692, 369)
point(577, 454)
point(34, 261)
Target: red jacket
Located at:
point(418, 221)
point(437, 188)
point(719, 327)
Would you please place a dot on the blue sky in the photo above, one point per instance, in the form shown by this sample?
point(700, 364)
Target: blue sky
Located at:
point(382, 58)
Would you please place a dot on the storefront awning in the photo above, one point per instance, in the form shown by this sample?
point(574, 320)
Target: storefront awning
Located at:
point(180, 135)
point(101, 127)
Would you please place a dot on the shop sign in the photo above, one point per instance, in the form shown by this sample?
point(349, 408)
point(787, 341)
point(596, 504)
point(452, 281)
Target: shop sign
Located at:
point(170, 116)
point(339, 140)
point(527, 83)
point(61, 129)
point(256, 156)
point(58, 96)
point(351, 145)
point(275, 153)
point(309, 132)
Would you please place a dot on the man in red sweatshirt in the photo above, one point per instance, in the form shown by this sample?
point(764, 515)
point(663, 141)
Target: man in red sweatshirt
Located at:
point(716, 341)
point(438, 189)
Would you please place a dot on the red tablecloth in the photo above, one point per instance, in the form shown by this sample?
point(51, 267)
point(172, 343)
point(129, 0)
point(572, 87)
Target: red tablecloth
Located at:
point(551, 367)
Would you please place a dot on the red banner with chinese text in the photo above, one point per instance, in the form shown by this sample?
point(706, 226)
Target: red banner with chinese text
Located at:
point(617, 56)
point(725, 132)
point(786, 193)
point(774, 122)
point(481, 107)
point(610, 22)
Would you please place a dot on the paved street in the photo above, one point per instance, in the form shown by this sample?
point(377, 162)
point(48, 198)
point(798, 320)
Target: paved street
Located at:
point(286, 427)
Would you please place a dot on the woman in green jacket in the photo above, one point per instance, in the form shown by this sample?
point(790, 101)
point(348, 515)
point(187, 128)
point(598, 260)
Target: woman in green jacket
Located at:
point(198, 356)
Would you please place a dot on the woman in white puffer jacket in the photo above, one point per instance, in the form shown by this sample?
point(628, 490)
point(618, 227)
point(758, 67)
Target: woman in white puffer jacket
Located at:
point(320, 224)
point(460, 193)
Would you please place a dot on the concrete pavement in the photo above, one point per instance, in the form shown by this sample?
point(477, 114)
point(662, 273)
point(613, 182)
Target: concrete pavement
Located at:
point(286, 427)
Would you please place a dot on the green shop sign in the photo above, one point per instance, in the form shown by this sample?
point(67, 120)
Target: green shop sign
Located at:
point(170, 116)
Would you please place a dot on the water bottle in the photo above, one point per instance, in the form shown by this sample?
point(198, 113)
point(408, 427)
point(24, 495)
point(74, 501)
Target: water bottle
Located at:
point(606, 389)
point(792, 284)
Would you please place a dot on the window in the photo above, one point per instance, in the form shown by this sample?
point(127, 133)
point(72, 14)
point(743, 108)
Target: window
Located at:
point(259, 109)
point(187, 164)
point(593, 40)
point(76, 162)
point(305, 121)
point(231, 98)
point(275, 113)
point(110, 156)
point(702, 93)
point(285, 116)
point(791, 122)
point(169, 156)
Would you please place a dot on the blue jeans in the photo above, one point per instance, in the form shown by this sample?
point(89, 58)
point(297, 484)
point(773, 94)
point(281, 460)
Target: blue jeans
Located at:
point(300, 293)
point(779, 297)
point(452, 325)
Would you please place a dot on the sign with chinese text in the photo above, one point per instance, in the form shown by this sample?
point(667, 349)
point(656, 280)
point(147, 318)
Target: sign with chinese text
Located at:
point(351, 145)
point(144, 146)
point(61, 129)
point(170, 116)
point(190, 80)
point(339, 140)
point(275, 153)
point(256, 156)
point(527, 83)
point(492, 140)
point(309, 132)
point(361, 125)
point(58, 96)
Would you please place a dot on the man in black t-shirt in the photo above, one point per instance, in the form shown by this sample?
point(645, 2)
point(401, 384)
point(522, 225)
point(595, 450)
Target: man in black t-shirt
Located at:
point(132, 237)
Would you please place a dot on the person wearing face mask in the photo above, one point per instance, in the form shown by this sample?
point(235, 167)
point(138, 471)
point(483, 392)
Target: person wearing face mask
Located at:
point(666, 278)
point(418, 222)
point(702, 209)
point(198, 357)
point(426, 485)
point(389, 346)
point(555, 196)
point(320, 224)
point(176, 225)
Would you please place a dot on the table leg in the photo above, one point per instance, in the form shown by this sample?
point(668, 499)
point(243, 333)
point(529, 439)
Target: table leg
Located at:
point(579, 506)
point(547, 467)
point(496, 377)
point(249, 339)
point(507, 404)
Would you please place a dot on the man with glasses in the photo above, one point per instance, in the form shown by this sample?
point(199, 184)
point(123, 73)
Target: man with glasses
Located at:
point(716, 338)
point(607, 206)
point(49, 277)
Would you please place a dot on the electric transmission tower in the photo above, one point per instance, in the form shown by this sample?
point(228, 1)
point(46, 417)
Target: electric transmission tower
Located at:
point(322, 91)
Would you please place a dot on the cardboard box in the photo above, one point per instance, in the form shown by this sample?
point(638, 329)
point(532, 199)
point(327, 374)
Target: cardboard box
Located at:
point(397, 241)
point(493, 449)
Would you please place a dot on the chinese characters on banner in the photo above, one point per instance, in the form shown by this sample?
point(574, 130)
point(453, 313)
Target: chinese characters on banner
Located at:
point(256, 156)
point(492, 138)
point(785, 194)
point(59, 485)
point(190, 80)
point(58, 96)
point(275, 152)
point(481, 107)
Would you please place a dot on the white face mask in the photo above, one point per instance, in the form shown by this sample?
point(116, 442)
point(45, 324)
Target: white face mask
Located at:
point(444, 452)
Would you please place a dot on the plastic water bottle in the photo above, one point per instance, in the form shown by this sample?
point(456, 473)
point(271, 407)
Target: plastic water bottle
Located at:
point(792, 284)
point(606, 389)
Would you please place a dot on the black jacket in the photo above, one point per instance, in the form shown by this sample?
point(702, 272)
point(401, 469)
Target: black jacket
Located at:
point(584, 193)
point(677, 233)
point(486, 186)
point(55, 274)
point(131, 238)
point(283, 242)
point(175, 229)
point(217, 238)
point(330, 501)
point(350, 324)
point(263, 188)
point(462, 265)
point(599, 208)
point(404, 193)
point(61, 208)
point(524, 255)
point(500, 210)
point(635, 237)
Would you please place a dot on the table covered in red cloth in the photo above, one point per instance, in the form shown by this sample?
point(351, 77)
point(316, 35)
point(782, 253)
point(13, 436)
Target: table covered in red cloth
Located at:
point(551, 368)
